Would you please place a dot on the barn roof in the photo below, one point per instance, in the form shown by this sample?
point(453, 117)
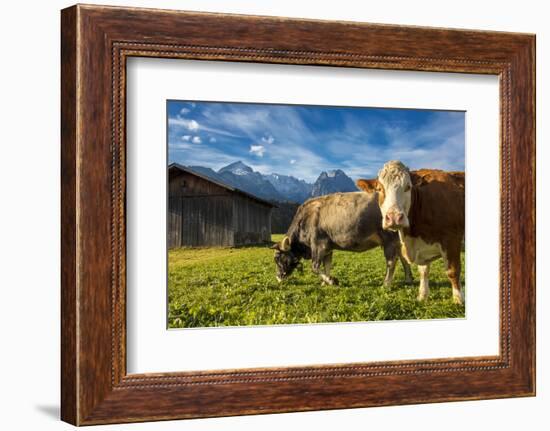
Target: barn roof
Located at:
point(178, 167)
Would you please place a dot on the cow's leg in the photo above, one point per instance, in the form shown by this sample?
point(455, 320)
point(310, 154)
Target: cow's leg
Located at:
point(390, 253)
point(390, 270)
point(453, 272)
point(407, 269)
point(321, 254)
point(316, 261)
point(317, 258)
point(327, 265)
point(424, 291)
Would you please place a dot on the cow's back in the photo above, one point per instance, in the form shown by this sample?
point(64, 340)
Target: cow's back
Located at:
point(350, 221)
point(437, 208)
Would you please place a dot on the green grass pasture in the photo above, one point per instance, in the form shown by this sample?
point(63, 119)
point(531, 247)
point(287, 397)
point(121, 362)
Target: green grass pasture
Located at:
point(237, 286)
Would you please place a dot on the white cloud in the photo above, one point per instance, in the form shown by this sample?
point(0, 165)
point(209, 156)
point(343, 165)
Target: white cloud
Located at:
point(184, 122)
point(184, 111)
point(193, 125)
point(268, 139)
point(186, 137)
point(180, 146)
point(212, 139)
point(248, 122)
point(292, 161)
point(187, 154)
point(196, 140)
point(257, 150)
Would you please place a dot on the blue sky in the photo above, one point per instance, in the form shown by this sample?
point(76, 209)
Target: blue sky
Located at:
point(304, 140)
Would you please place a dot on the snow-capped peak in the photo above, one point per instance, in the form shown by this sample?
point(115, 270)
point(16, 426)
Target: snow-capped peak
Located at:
point(237, 168)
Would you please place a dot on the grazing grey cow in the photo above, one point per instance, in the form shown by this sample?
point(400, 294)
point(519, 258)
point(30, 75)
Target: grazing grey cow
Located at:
point(340, 221)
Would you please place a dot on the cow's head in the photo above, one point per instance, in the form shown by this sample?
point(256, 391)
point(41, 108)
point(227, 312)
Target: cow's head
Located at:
point(394, 187)
point(285, 260)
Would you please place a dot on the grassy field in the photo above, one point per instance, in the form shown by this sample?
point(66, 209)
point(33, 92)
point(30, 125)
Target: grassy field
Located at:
point(237, 286)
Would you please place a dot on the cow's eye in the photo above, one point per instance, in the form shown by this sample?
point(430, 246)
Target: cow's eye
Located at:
point(408, 188)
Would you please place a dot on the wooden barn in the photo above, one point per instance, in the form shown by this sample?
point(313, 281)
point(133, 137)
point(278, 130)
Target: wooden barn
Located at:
point(204, 212)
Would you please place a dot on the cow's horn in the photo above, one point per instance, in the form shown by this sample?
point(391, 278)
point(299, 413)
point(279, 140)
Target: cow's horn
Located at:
point(285, 244)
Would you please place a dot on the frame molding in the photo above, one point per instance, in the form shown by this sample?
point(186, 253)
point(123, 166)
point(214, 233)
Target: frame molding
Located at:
point(95, 42)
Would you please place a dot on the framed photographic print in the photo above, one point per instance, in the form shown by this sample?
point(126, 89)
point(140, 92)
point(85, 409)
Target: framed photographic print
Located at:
point(265, 214)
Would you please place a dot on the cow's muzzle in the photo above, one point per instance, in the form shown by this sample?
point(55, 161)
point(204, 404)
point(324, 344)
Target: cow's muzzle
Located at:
point(394, 220)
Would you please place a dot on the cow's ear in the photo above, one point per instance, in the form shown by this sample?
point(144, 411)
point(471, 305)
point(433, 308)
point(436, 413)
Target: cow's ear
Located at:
point(369, 186)
point(276, 246)
point(417, 179)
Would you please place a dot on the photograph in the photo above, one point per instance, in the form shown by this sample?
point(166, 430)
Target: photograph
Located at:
point(302, 214)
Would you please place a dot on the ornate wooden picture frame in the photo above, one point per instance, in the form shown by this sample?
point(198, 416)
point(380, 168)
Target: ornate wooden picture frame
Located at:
point(96, 42)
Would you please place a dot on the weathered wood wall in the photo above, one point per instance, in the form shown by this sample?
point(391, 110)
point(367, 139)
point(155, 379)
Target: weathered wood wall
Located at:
point(200, 221)
point(251, 221)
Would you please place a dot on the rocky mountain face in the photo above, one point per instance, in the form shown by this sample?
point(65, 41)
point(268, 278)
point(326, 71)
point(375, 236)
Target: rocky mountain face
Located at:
point(237, 168)
point(245, 178)
point(277, 187)
point(293, 189)
point(333, 182)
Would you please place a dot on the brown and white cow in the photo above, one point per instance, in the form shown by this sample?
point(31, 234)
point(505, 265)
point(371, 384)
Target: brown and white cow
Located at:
point(426, 208)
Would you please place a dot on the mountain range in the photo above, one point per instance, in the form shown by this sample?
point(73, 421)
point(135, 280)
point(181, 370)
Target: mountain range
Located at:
point(277, 187)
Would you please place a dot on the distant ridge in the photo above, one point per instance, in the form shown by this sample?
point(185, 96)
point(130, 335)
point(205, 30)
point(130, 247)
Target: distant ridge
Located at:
point(278, 187)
